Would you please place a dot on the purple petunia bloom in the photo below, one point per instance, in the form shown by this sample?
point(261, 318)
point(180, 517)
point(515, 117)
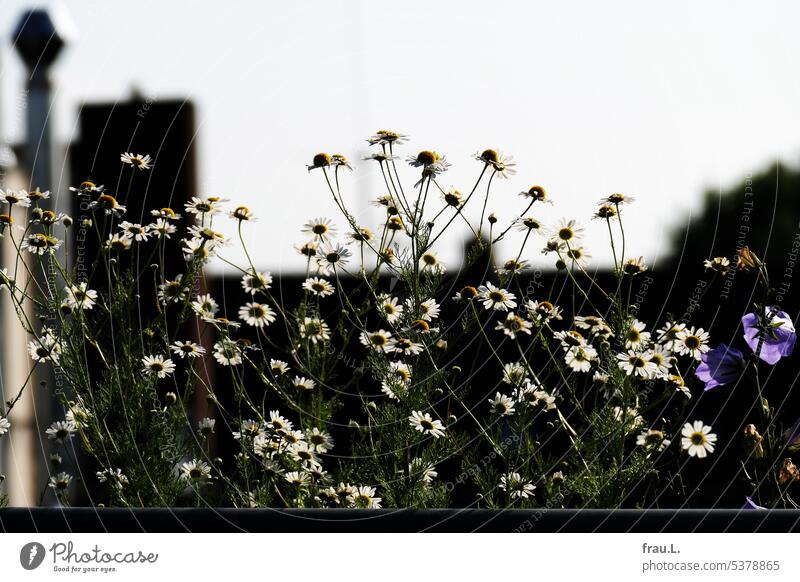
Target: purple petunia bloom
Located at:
point(778, 340)
point(719, 366)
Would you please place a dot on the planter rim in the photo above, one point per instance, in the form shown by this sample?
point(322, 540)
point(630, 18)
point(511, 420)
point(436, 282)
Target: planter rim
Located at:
point(266, 520)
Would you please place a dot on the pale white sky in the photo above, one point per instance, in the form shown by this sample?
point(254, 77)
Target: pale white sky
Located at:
point(658, 102)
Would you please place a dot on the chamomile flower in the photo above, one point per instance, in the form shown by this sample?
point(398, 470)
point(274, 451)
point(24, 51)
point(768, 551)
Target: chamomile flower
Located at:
point(318, 286)
point(204, 206)
point(667, 336)
point(108, 205)
point(637, 364)
point(308, 249)
point(137, 161)
point(418, 468)
point(596, 325)
point(380, 340)
point(39, 243)
point(516, 486)
point(570, 338)
point(45, 349)
point(59, 483)
point(195, 471)
point(697, 439)
point(429, 261)
point(278, 367)
point(205, 306)
point(61, 431)
point(319, 440)
point(453, 198)
point(652, 439)
point(634, 266)
point(390, 308)
point(12, 197)
point(495, 298)
point(330, 257)
point(255, 282)
point(616, 199)
point(661, 358)
point(314, 329)
point(425, 424)
point(135, 232)
point(320, 228)
point(429, 310)
point(158, 365)
point(298, 478)
point(278, 422)
point(514, 373)
point(303, 383)
point(721, 265)
point(567, 232)
point(580, 358)
point(206, 427)
point(78, 415)
point(227, 353)
point(364, 498)
point(118, 242)
point(635, 336)
point(513, 324)
point(529, 224)
point(405, 346)
point(5, 425)
point(79, 297)
point(542, 311)
point(536, 193)
point(692, 342)
point(243, 214)
point(256, 314)
point(162, 228)
point(512, 267)
point(502, 405)
point(187, 349)
point(385, 137)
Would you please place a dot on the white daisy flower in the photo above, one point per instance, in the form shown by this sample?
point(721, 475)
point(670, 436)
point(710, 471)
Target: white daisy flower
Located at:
point(59, 483)
point(205, 306)
point(425, 424)
point(278, 422)
point(514, 373)
point(380, 340)
point(78, 415)
point(204, 206)
point(697, 439)
point(256, 314)
point(173, 291)
point(389, 308)
point(297, 478)
point(255, 282)
point(162, 228)
point(429, 309)
point(195, 470)
point(118, 242)
point(517, 487)
point(514, 324)
point(314, 329)
point(405, 346)
point(206, 426)
point(61, 431)
point(364, 498)
point(227, 353)
point(135, 232)
point(495, 298)
point(637, 364)
point(661, 358)
point(319, 440)
point(652, 439)
point(5, 425)
point(580, 358)
point(567, 232)
point(635, 336)
point(320, 228)
point(502, 405)
point(542, 311)
point(332, 257)
point(419, 468)
point(158, 365)
point(667, 336)
point(318, 286)
point(19, 197)
point(187, 349)
point(79, 297)
point(303, 383)
point(692, 342)
point(45, 349)
point(278, 367)
point(137, 161)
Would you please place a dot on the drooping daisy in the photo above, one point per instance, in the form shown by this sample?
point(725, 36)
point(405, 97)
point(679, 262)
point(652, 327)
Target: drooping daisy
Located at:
point(637, 364)
point(243, 214)
point(390, 308)
point(502, 405)
point(405, 346)
point(206, 426)
point(517, 487)
point(138, 161)
point(113, 476)
point(364, 498)
point(256, 314)
point(61, 431)
point(108, 205)
point(652, 439)
point(255, 282)
point(453, 198)
point(187, 349)
point(278, 367)
point(195, 470)
point(385, 137)
point(536, 193)
point(580, 358)
point(118, 242)
point(596, 325)
point(303, 383)
point(380, 340)
point(318, 286)
point(529, 224)
point(570, 338)
point(165, 213)
point(542, 311)
point(697, 439)
point(79, 297)
point(205, 306)
point(158, 365)
point(616, 199)
point(314, 329)
point(513, 324)
point(635, 336)
point(227, 353)
point(320, 228)
point(495, 298)
point(692, 342)
point(425, 424)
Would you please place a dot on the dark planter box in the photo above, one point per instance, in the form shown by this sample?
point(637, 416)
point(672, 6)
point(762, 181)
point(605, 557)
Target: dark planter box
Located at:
point(78, 520)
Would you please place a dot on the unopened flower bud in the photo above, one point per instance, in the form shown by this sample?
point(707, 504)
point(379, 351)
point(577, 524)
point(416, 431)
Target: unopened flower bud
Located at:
point(171, 398)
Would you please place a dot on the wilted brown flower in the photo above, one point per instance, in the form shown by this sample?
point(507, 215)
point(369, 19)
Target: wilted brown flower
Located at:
point(788, 472)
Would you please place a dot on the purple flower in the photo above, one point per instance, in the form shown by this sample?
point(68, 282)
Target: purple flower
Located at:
point(778, 337)
point(719, 366)
point(750, 504)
